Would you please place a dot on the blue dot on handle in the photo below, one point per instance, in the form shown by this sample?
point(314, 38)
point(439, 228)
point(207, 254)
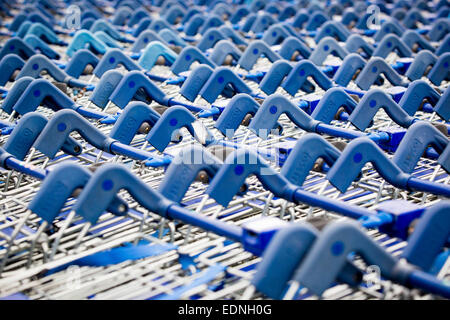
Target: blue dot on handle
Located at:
point(327, 30)
point(131, 84)
point(337, 248)
point(188, 57)
point(112, 60)
point(357, 157)
point(107, 185)
point(387, 29)
point(274, 34)
point(145, 40)
point(211, 38)
point(173, 122)
point(302, 72)
point(238, 170)
point(326, 47)
point(372, 103)
point(374, 69)
point(35, 66)
point(255, 51)
point(273, 109)
point(37, 93)
point(220, 80)
point(439, 27)
point(445, 64)
point(62, 127)
point(389, 44)
point(12, 47)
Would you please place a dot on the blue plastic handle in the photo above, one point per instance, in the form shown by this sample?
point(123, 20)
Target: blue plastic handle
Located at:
point(388, 27)
point(38, 63)
point(262, 22)
point(441, 27)
point(211, 22)
point(210, 38)
point(415, 142)
point(171, 38)
point(316, 20)
point(412, 38)
point(233, 35)
point(275, 76)
point(298, 77)
point(103, 25)
point(390, 43)
point(239, 14)
point(113, 58)
point(195, 81)
point(254, 51)
point(415, 94)
point(174, 13)
point(131, 83)
point(59, 185)
point(332, 29)
point(146, 37)
point(77, 64)
point(222, 50)
point(187, 57)
point(349, 67)
point(43, 32)
point(274, 35)
point(152, 52)
point(85, 38)
point(418, 67)
point(61, 125)
point(272, 108)
point(142, 26)
point(38, 45)
point(355, 42)
point(105, 87)
point(444, 46)
point(430, 235)
point(192, 26)
point(8, 65)
point(332, 100)
point(184, 169)
point(15, 93)
point(412, 17)
point(131, 119)
point(121, 15)
point(304, 155)
point(369, 105)
point(138, 16)
point(442, 107)
point(371, 72)
point(25, 133)
point(219, 80)
point(292, 45)
point(440, 70)
point(107, 40)
point(17, 46)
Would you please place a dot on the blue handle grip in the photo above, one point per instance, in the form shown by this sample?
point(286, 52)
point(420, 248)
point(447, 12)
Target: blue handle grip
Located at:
point(137, 16)
point(222, 50)
point(40, 46)
point(253, 53)
point(152, 52)
point(332, 29)
point(350, 65)
point(440, 70)
point(412, 38)
point(274, 77)
point(142, 26)
point(291, 45)
point(83, 38)
point(332, 100)
point(79, 61)
point(43, 32)
point(38, 63)
point(105, 87)
point(416, 92)
point(275, 34)
point(316, 20)
point(15, 93)
point(388, 27)
point(188, 56)
point(113, 58)
point(210, 38)
point(144, 39)
point(17, 46)
point(195, 81)
point(299, 76)
point(8, 65)
point(371, 72)
point(442, 107)
point(355, 42)
point(103, 25)
point(422, 61)
point(324, 48)
point(390, 43)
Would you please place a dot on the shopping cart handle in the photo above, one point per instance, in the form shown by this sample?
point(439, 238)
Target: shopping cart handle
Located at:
point(282, 257)
point(153, 51)
point(103, 187)
point(444, 158)
point(103, 25)
point(235, 37)
point(86, 23)
point(131, 83)
point(431, 234)
point(113, 58)
point(8, 65)
point(174, 12)
point(412, 17)
point(349, 16)
point(440, 28)
point(60, 184)
point(373, 69)
point(142, 26)
point(25, 133)
point(192, 26)
point(324, 48)
point(17, 21)
point(355, 155)
point(195, 81)
point(219, 80)
point(415, 142)
point(91, 14)
point(121, 15)
point(137, 17)
point(188, 56)
point(355, 42)
point(131, 119)
point(332, 100)
point(272, 108)
point(292, 45)
point(275, 76)
point(369, 105)
point(391, 43)
point(350, 65)
point(40, 46)
point(77, 64)
point(107, 40)
point(105, 87)
point(171, 121)
point(61, 125)
point(144, 39)
point(241, 12)
point(332, 29)
point(172, 38)
point(192, 11)
point(440, 70)
point(316, 20)
point(442, 107)
point(422, 61)
point(44, 33)
point(254, 51)
point(329, 254)
point(83, 38)
point(17, 46)
point(416, 92)
point(210, 38)
point(412, 38)
point(222, 50)
point(304, 155)
point(184, 169)
point(388, 27)
point(262, 22)
point(297, 78)
point(38, 63)
point(275, 34)
point(237, 167)
point(15, 93)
